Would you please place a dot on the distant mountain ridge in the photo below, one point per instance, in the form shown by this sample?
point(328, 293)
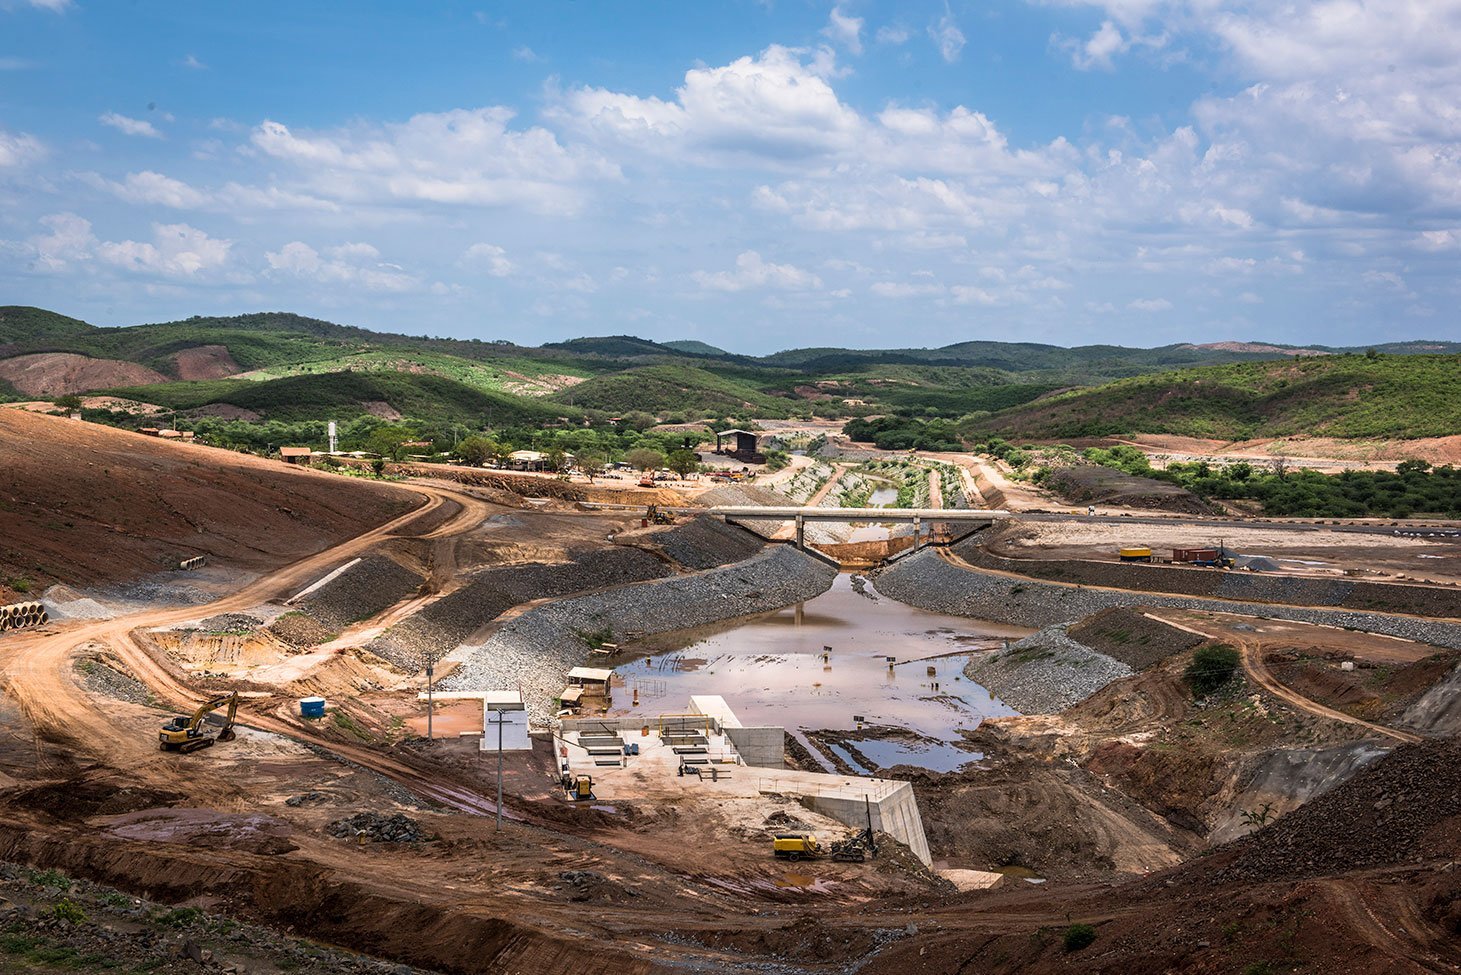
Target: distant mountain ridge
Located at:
point(277, 365)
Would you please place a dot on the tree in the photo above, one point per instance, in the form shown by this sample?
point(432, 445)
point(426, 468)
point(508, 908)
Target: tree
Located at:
point(683, 462)
point(644, 459)
point(386, 441)
point(1211, 668)
point(557, 459)
point(477, 450)
point(591, 463)
point(70, 402)
point(638, 420)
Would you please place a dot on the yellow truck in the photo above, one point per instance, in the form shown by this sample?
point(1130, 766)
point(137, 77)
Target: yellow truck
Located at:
point(796, 846)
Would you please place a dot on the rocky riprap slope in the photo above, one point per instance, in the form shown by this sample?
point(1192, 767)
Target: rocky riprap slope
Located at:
point(706, 543)
point(1045, 672)
point(371, 586)
point(929, 582)
point(535, 651)
point(441, 626)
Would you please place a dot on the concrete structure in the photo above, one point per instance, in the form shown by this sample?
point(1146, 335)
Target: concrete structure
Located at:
point(502, 710)
point(742, 446)
point(760, 747)
point(665, 767)
point(800, 515)
point(294, 455)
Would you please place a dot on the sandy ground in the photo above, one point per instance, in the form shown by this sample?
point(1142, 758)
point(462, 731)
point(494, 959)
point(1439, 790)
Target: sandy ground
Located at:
point(1321, 454)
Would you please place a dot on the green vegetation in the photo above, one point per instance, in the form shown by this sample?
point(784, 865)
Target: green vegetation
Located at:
point(905, 433)
point(1079, 936)
point(1326, 396)
point(664, 388)
point(1414, 488)
point(1211, 667)
point(20, 323)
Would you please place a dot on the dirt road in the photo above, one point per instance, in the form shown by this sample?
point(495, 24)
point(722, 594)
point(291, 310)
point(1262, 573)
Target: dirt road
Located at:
point(37, 667)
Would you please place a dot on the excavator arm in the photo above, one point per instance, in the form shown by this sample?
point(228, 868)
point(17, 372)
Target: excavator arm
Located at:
point(185, 734)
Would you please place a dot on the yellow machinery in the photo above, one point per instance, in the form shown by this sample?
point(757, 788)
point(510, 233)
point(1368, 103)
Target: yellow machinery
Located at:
point(796, 846)
point(1136, 554)
point(578, 788)
point(185, 734)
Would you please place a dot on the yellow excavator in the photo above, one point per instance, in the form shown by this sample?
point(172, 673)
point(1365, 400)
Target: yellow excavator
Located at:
point(185, 734)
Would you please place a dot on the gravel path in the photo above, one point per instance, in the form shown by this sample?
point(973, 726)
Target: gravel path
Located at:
point(535, 651)
point(1045, 672)
point(927, 581)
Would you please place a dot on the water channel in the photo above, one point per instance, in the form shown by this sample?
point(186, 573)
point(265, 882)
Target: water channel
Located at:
point(771, 670)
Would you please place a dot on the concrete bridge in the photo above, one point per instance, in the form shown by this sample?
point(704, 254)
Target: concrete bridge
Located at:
point(800, 515)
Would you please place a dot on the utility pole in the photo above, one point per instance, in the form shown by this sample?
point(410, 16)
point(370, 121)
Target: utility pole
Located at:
point(430, 672)
point(499, 769)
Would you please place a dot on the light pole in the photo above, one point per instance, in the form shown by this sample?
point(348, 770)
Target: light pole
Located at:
point(499, 713)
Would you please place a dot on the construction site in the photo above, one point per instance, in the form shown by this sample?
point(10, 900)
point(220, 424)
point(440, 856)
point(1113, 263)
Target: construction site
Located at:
point(262, 718)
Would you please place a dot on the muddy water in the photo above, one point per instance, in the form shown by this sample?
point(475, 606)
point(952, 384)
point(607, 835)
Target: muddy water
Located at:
point(771, 670)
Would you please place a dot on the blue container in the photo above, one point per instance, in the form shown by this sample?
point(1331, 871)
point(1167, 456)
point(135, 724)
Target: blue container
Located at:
point(634, 748)
point(312, 707)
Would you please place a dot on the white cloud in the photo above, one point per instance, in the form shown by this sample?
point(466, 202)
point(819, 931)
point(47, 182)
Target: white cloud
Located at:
point(751, 272)
point(1150, 304)
point(466, 157)
point(176, 250)
point(130, 126)
point(773, 106)
point(348, 265)
point(70, 240)
point(894, 34)
point(19, 149)
point(191, 61)
point(904, 289)
point(489, 257)
point(1100, 48)
point(152, 189)
point(525, 53)
point(947, 37)
point(55, 6)
point(844, 29)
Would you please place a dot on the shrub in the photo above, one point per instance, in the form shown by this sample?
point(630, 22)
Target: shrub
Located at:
point(67, 911)
point(1079, 936)
point(1211, 668)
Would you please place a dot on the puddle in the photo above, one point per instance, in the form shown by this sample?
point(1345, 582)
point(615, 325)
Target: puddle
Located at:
point(883, 497)
point(771, 671)
point(934, 757)
point(796, 880)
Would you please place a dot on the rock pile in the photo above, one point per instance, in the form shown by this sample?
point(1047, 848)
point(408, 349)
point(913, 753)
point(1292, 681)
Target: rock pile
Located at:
point(927, 581)
point(230, 623)
point(1045, 672)
point(1401, 809)
point(537, 649)
point(371, 586)
point(706, 543)
point(377, 828)
point(1132, 638)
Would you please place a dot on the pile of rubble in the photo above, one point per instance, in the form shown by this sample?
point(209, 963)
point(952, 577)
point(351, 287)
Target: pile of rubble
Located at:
point(377, 828)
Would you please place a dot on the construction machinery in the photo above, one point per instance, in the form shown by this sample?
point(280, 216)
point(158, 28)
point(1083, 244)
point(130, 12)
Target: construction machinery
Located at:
point(578, 788)
point(804, 846)
point(186, 734)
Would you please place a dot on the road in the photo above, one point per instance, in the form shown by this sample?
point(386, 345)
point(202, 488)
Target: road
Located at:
point(36, 667)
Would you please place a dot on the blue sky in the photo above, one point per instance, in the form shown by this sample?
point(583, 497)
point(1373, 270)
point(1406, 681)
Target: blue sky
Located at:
point(757, 175)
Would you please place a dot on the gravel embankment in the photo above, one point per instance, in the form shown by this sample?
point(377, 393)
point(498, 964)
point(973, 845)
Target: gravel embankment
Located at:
point(707, 543)
point(1244, 586)
point(372, 586)
point(536, 650)
point(442, 625)
point(927, 581)
point(1045, 672)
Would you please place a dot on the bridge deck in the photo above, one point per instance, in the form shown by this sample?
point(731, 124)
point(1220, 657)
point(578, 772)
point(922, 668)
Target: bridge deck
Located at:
point(788, 513)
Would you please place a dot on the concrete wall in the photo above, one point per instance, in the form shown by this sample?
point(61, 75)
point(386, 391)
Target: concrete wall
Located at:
point(762, 747)
point(895, 814)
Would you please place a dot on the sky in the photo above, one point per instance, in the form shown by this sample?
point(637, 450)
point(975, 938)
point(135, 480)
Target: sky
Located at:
point(756, 174)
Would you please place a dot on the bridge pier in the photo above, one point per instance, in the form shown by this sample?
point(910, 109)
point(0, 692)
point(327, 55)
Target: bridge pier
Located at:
point(917, 527)
point(801, 530)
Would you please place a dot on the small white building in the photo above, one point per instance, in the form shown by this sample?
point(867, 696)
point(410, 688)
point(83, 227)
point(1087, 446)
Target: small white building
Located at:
point(502, 711)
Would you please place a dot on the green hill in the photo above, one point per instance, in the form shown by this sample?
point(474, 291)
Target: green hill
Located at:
point(341, 395)
point(21, 323)
point(1347, 396)
point(672, 388)
point(694, 347)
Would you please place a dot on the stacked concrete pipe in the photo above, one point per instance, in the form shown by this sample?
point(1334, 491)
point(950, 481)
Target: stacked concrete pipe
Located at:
point(18, 615)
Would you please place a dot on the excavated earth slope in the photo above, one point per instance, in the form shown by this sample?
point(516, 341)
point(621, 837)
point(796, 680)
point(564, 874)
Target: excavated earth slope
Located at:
point(90, 505)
